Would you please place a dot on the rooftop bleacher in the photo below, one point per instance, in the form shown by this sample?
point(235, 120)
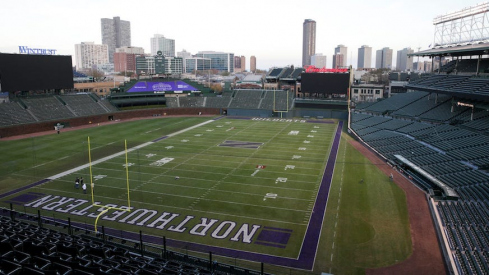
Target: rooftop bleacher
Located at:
point(275, 72)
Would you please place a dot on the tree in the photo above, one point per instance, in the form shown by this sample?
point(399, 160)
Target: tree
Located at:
point(96, 74)
point(217, 88)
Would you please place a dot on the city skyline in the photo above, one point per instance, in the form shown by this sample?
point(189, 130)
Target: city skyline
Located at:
point(61, 25)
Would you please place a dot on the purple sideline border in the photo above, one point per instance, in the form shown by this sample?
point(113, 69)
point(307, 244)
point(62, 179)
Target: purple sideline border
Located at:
point(309, 245)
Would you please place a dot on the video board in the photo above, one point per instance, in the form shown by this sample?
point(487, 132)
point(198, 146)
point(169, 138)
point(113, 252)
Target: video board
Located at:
point(25, 72)
point(325, 83)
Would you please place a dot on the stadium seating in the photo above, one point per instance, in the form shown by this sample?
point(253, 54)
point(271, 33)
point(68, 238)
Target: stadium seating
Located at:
point(457, 154)
point(192, 102)
point(246, 99)
point(277, 100)
point(12, 113)
point(83, 105)
point(27, 248)
point(47, 108)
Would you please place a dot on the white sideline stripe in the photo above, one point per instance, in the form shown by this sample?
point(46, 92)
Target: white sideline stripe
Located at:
point(190, 128)
point(84, 166)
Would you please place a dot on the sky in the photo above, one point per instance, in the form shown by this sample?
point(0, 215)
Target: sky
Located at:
point(268, 29)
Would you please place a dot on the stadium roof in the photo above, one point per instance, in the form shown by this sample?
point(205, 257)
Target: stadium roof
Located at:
point(456, 50)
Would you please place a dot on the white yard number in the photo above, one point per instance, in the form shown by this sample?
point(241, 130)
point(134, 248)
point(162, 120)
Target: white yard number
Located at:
point(184, 140)
point(270, 196)
point(310, 136)
point(150, 155)
point(98, 177)
point(289, 167)
point(198, 135)
point(161, 162)
point(302, 148)
point(296, 157)
point(128, 165)
point(293, 133)
point(280, 180)
point(313, 131)
point(307, 141)
point(168, 147)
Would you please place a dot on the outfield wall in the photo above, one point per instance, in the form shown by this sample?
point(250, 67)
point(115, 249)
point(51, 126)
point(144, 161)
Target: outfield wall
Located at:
point(24, 129)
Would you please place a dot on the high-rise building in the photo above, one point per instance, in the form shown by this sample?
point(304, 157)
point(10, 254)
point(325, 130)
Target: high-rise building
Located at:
point(237, 64)
point(131, 50)
point(383, 59)
point(404, 62)
point(116, 33)
point(343, 50)
point(125, 58)
point(428, 66)
point(253, 64)
point(337, 60)
point(88, 54)
point(318, 60)
point(184, 55)
point(418, 66)
point(308, 41)
point(160, 43)
point(194, 64)
point(243, 63)
point(220, 61)
point(364, 57)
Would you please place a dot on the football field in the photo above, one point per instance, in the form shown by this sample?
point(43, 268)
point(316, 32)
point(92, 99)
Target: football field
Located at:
point(247, 185)
point(254, 189)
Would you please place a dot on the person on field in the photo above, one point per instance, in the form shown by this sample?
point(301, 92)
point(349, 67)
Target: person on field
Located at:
point(77, 183)
point(84, 187)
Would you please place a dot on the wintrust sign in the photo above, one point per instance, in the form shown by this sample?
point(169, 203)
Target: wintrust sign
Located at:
point(27, 50)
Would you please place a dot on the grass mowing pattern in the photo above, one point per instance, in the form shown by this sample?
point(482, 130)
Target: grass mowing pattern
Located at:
point(367, 221)
point(216, 182)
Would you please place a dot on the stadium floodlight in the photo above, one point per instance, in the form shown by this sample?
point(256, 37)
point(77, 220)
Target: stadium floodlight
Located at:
point(467, 25)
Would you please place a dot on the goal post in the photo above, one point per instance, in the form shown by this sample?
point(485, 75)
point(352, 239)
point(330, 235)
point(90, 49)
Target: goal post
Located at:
point(92, 185)
point(275, 109)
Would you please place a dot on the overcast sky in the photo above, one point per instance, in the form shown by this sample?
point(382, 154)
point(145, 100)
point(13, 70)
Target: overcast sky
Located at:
point(270, 30)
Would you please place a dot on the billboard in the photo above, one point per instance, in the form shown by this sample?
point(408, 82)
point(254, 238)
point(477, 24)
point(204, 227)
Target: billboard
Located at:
point(149, 86)
point(23, 72)
point(325, 83)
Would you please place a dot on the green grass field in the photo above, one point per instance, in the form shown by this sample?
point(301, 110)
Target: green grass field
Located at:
point(220, 189)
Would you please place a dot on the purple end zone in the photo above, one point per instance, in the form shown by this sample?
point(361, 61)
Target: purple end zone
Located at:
point(278, 229)
point(272, 245)
point(309, 246)
point(273, 237)
point(25, 198)
point(23, 188)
